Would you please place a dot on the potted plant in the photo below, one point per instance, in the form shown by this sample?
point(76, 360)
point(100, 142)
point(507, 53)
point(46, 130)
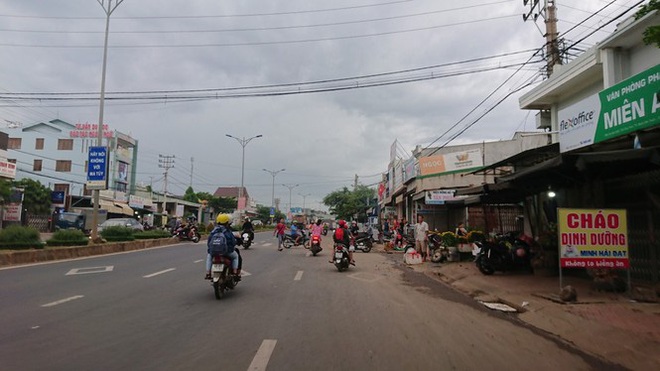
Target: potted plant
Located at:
point(476, 236)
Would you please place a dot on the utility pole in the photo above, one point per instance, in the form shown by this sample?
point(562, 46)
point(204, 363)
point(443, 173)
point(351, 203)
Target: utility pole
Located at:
point(243, 142)
point(549, 13)
point(108, 8)
point(291, 187)
point(273, 173)
point(304, 196)
point(165, 162)
point(192, 160)
point(355, 183)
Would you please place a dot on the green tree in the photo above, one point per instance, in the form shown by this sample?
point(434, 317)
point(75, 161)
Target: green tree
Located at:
point(190, 195)
point(263, 214)
point(347, 204)
point(5, 190)
point(223, 204)
point(652, 33)
point(36, 196)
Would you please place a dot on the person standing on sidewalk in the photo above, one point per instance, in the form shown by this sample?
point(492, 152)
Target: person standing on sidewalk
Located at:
point(279, 232)
point(421, 237)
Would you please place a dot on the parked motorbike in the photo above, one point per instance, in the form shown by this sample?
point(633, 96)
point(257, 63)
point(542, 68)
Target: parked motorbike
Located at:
point(439, 252)
point(290, 242)
point(315, 246)
point(363, 241)
point(188, 234)
point(507, 253)
point(221, 278)
point(341, 258)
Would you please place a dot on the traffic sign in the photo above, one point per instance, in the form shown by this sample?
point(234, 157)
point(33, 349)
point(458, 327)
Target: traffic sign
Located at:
point(97, 168)
point(272, 211)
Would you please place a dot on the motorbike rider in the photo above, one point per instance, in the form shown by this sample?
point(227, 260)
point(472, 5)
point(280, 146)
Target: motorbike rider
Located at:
point(223, 221)
point(317, 230)
point(248, 228)
point(294, 233)
point(354, 228)
point(347, 240)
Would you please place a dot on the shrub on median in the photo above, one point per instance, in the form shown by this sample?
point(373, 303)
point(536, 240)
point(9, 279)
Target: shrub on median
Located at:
point(68, 237)
point(17, 238)
point(117, 234)
point(152, 234)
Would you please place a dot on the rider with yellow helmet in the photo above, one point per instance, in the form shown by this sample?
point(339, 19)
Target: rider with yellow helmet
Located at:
point(223, 221)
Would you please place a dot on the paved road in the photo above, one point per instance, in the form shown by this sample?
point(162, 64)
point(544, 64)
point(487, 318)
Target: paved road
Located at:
point(151, 310)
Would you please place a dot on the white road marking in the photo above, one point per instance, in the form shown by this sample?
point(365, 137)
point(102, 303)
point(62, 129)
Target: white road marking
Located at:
point(298, 276)
point(260, 360)
point(198, 261)
point(34, 327)
point(267, 244)
point(90, 270)
point(245, 273)
point(63, 301)
point(157, 273)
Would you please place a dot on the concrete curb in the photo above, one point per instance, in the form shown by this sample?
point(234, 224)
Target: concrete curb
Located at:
point(18, 257)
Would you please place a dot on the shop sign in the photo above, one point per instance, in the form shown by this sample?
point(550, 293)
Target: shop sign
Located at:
point(629, 106)
point(7, 170)
point(409, 170)
point(12, 212)
point(136, 201)
point(439, 197)
point(88, 130)
point(593, 238)
point(451, 162)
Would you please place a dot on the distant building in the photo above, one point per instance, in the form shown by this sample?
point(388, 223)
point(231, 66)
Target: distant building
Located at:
point(55, 153)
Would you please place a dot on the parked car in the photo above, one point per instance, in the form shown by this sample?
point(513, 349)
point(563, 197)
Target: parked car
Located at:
point(122, 222)
point(257, 223)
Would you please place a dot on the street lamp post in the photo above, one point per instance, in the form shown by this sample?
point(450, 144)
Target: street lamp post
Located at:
point(243, 142)
point(304, 196)
point(273, 173)
point(108, 8)
point(291, 187)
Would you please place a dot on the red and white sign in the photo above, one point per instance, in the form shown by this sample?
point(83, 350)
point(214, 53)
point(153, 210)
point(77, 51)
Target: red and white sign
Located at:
point(7, 169)
point(88, 130)
point(12, 212)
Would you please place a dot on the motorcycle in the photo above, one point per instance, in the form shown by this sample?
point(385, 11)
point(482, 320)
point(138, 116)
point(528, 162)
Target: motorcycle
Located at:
point(341, 258)
point(439, 252)
point(508, 253)
point(246, 238)
point(189, 234)
point(290, 242)
point(364, 241)
point(315, 247)
point(221, 278)
point(325, 230)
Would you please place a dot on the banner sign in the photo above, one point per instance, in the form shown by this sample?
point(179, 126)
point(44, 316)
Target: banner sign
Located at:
point(592, 238)
point(296, 210)
point(88, 130)
point(97, 168)
point(409, 170)
point(629, 106)
point(439, 197)
point(7, 169)
point(451, 162)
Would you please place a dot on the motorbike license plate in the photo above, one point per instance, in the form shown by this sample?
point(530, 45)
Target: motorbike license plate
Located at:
point(217, 267)
point(339, 255)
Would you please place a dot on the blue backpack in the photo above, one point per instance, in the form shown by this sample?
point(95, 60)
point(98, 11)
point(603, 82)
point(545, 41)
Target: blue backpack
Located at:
point(217, 243)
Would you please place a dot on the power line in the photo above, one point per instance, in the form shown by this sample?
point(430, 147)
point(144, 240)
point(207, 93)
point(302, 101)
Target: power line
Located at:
point(370, 20)
point(258, 43)
point(217, 16)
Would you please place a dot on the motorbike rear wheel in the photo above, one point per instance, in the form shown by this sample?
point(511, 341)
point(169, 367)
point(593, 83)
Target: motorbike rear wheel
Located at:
point(438, 256)
point(195, 238)
point(217, 290)
point(287, 243)
point(366, 248)
point(484, 267)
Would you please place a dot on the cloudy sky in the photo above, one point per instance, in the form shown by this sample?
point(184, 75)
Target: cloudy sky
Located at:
point(329, 85)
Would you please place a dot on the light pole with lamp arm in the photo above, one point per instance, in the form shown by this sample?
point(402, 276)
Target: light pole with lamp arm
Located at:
point(291, 187)
point(243, 142)
point(274, 174)
point(304, 196)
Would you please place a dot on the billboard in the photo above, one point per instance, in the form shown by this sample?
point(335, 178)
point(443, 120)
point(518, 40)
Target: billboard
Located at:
point(629, 106)
point(451, 162)
point(593, 238)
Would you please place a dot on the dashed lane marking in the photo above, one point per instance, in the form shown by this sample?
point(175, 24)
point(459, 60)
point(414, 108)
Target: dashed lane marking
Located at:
point(90, 270)
point(157, 273)
point(198, 261)
point(298, 276)
point(260, 360)
point(62, 301)
point(267, 244)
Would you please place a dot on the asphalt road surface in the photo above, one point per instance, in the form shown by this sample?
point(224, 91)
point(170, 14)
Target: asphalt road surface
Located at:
point(152, 310)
